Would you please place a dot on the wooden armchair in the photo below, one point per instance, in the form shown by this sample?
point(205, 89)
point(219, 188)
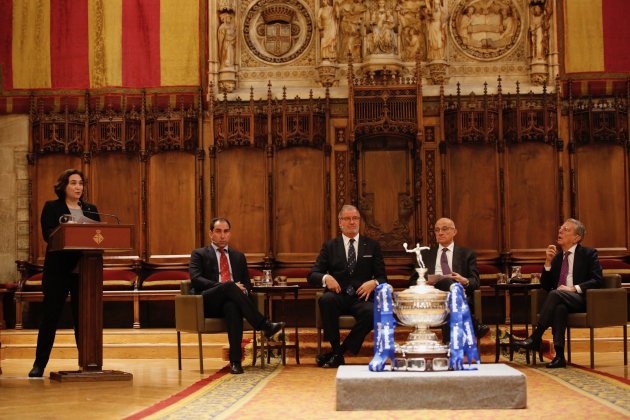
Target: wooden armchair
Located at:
point(605, 307)
point(189, 317)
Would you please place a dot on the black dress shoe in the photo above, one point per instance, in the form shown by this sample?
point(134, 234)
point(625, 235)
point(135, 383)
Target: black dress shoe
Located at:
point(36, 372)
point(557, 362)
point(236, 368)
point(335, 361)
point(270, 328)
point(321, 359)
point(482, 330)
point(527, 344)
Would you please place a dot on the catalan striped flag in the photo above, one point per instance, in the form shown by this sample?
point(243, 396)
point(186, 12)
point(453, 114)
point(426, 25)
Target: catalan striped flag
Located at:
point(92, 44)
point(596, 38)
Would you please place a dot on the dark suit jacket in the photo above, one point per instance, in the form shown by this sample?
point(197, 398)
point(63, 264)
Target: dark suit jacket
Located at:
point(59, 265)
point(205, 272)
point(464, 263)
point(332, 260)
point(587, 271)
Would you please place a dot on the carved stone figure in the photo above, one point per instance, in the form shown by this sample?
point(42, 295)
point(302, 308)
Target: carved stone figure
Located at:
point(381, 28)
point(465, 24)
point(436, 30)
point(226, 35)
point(328, 28)
point(536, 33)
point(351, 14)
point(412, 39)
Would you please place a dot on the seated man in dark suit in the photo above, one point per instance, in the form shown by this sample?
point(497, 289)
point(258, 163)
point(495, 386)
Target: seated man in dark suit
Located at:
point(568, 275)
point(349, 267)
point(220, 274)
point(453, 264)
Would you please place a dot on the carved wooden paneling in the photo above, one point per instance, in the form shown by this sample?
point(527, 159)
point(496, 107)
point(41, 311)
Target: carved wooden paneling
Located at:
point(116, 190)
point(473, 196)
point(604, 120)
point(386, 190)
point(171, 203)
point(602, 178)
point(531, 198)
point(241, 196)
point(299, 210)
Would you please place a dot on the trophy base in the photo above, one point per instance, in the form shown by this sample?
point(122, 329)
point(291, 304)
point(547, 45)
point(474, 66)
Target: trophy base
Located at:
point(420, 362)
point(421, 356)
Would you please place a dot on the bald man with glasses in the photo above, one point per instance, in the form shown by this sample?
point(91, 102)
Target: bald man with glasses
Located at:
point(452, 264)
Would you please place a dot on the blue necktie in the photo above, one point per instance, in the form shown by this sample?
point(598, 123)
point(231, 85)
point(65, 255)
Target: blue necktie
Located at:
point(352, 258)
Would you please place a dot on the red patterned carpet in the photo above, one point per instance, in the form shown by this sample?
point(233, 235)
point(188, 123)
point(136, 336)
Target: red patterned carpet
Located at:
point(308, 392)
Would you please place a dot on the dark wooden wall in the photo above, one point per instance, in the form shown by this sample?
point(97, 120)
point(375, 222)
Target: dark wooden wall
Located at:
point(507, 168)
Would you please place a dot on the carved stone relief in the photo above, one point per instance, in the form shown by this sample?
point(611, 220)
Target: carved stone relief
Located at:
point(308, 42)
point(278, 32)
point(486, 29)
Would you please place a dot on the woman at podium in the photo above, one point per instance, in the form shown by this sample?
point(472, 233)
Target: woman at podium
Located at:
point(60, 275)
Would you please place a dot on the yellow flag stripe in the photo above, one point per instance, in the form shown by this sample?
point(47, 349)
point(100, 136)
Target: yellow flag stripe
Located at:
point(584, 36)
point(179, 42)
point(105, 33)
point(31, 44)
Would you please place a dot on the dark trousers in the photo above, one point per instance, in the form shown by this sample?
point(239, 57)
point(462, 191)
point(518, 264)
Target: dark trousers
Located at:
point(333, 305)
point(555, 312)
point(55, 294)
point(228, 301)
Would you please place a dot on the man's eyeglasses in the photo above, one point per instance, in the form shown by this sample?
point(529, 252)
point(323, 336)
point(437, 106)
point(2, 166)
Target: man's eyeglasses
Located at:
point(442, 229)
point(353, 218)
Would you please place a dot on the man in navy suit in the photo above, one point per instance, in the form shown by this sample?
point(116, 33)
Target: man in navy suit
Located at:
point(453, 264)
point(349, 267)
point(219, 273)
point(568, 275)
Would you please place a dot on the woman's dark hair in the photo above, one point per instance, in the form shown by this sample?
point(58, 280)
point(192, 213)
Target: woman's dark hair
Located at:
point(63, 180)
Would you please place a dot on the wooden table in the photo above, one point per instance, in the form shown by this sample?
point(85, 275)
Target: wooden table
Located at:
point(282, 291)
point(513, 289)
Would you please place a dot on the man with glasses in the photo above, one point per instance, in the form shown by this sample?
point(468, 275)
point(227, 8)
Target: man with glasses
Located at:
point(349, 267)
point(451, 263)
point(568, 275)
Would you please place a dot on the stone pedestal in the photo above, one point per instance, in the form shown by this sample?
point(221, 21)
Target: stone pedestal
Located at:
point(491, 386)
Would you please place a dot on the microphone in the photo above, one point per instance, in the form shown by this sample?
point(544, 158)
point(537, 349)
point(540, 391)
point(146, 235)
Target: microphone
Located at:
point(113, 216)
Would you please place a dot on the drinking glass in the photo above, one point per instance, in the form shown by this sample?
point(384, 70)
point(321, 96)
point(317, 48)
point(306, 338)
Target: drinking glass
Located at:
point(501, 278)
point(267, 279)
point(516, 272)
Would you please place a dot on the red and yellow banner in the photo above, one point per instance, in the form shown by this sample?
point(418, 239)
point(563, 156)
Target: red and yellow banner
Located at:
point(596, 37)
point(91, 44)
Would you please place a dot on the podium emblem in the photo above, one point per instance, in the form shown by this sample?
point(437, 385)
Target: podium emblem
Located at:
point(98, 238)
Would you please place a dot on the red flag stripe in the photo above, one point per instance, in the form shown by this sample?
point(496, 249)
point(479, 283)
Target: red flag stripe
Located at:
point(616, 35)
point(141, 43)
point(6, 38)
point(69, 44)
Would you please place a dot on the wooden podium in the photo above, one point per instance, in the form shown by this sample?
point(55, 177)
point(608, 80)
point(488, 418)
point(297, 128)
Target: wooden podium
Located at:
point(92, 240)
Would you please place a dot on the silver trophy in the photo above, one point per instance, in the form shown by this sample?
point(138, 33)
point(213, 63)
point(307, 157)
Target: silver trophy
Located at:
point(421, 306)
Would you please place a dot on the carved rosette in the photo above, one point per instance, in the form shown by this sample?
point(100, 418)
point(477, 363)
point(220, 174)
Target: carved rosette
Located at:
point(276, 31)
point(486, 30)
